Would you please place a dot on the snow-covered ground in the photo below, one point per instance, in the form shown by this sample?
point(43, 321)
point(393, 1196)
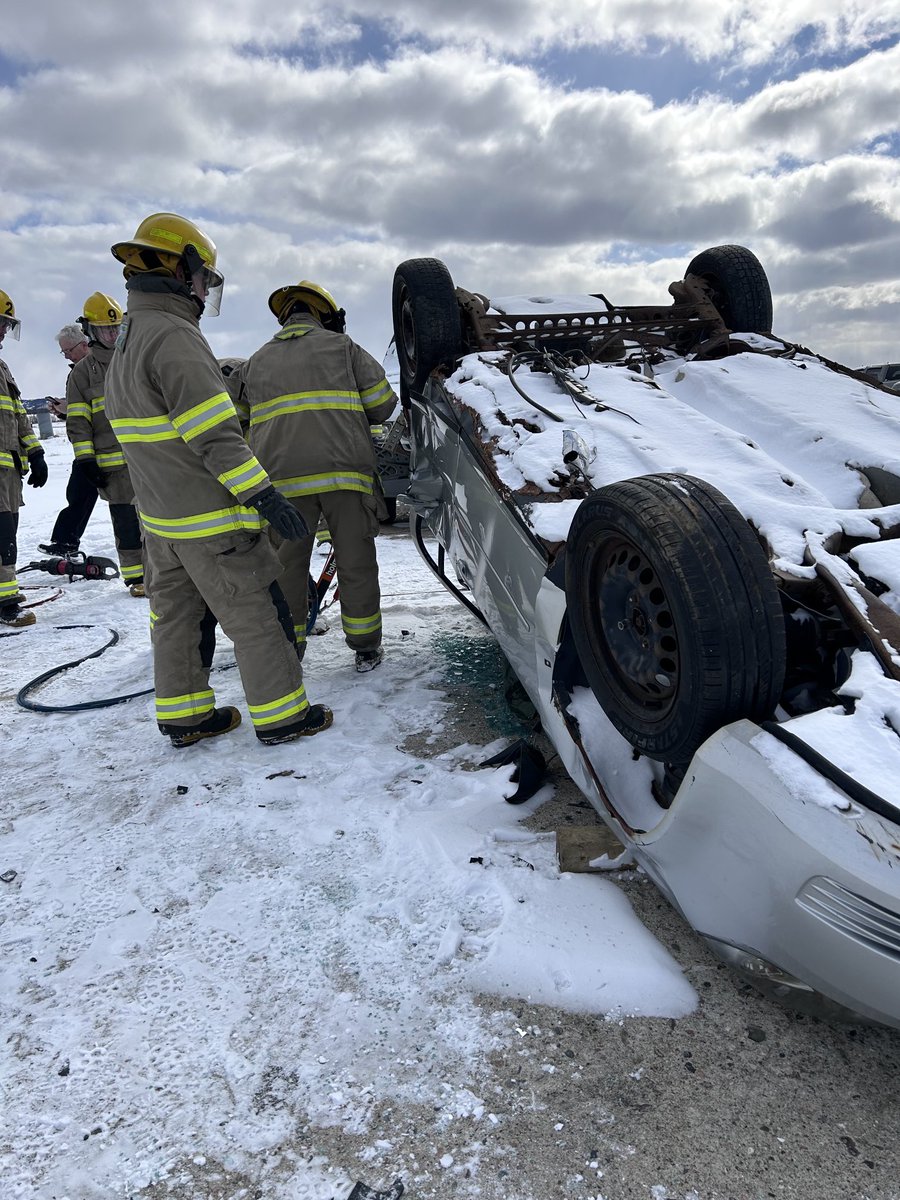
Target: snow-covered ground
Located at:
point(206, 950)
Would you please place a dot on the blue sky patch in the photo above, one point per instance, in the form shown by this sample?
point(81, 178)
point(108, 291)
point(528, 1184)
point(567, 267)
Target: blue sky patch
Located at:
point(669, 74)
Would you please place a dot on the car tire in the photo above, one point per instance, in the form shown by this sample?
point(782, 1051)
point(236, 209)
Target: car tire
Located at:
point(673, 611)
point(427, 326)
point(739, 286)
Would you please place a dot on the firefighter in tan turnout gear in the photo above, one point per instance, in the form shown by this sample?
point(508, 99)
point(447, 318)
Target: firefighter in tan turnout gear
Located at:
point(203, 499)
point(97, 452)
point(310, 395)
point(20, 454)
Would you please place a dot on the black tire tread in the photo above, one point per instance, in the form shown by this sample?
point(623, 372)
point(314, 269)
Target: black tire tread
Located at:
point(436, 317)
point(741, 286)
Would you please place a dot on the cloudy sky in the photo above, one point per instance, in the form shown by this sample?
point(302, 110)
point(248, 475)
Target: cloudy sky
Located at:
point(533, 145)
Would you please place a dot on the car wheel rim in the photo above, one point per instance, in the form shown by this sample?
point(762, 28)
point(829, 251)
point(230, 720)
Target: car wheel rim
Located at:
point(636, 632)
point(408, 333)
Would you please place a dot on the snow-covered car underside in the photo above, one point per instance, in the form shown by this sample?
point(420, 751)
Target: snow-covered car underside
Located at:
point(685, 534)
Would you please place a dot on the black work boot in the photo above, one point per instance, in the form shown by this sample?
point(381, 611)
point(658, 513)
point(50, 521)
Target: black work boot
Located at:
point(316, 718)
point(58, 549)
point(368, 660)
point(12, 615)
point(220, 720)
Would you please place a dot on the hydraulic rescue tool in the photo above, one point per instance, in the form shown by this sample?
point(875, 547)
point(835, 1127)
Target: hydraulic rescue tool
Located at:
point(92, 566)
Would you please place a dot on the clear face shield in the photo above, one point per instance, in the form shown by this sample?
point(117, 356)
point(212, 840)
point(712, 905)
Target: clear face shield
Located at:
point(9, 328)
point(104, 334)
point(208, 284)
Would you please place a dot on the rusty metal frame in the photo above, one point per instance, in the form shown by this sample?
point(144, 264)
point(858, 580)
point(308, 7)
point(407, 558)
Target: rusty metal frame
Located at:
point(691, 320)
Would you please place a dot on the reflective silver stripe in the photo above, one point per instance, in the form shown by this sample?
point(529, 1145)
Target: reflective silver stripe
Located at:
point(308, 485)
point(145, 429)
point(240, 480)
point(361, 624)
point(169, 709)
point(373, 396)
point(292, 705)
point(203, 524)
point(308, 402)
point(210, 414)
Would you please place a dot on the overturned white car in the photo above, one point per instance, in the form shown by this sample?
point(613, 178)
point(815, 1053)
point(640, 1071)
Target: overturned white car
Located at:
point(685, 534)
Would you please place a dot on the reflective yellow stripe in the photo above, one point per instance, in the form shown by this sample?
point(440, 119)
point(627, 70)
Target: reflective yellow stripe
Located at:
point(375, 395)
point(98, 404)
point(145, 429)
point(297, 402)
point(299, 634)
point(290, 705)
point(79, 409)
point(6, 460)
point(307, 485)
point(222, 520)
point(204, 416)
point(248, 477)
point(194, 704)
point(361, 624)
point(293, 331)
point(29, 442)
point(6, 404)
point(154, 617)
point(10, 589)
point(111, 458)
point(131, 572)
point(83, 449)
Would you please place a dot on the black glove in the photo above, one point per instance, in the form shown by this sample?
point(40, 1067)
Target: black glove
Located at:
point(38, 474)
point(92, 472)
point(280, 513)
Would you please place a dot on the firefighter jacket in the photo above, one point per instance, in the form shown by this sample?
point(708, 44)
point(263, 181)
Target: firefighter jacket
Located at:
point(17, 441)
point(310, 396)
point(87, 425)
point(165, 397)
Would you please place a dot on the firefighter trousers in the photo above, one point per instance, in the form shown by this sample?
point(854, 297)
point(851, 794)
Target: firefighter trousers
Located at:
point(352, 521)
point(232, 577)
point(119, 494)
point(9, 586)
point(81, 496)
point(10, 502)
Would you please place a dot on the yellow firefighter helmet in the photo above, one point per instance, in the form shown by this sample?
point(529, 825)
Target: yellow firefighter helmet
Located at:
point(9, 322)
point(164, 240)
point(100, 309)
point(320, 301)
point(161, 240)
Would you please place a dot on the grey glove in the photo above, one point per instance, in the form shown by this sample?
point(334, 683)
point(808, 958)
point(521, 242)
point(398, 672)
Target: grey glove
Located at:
point(280, 513)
